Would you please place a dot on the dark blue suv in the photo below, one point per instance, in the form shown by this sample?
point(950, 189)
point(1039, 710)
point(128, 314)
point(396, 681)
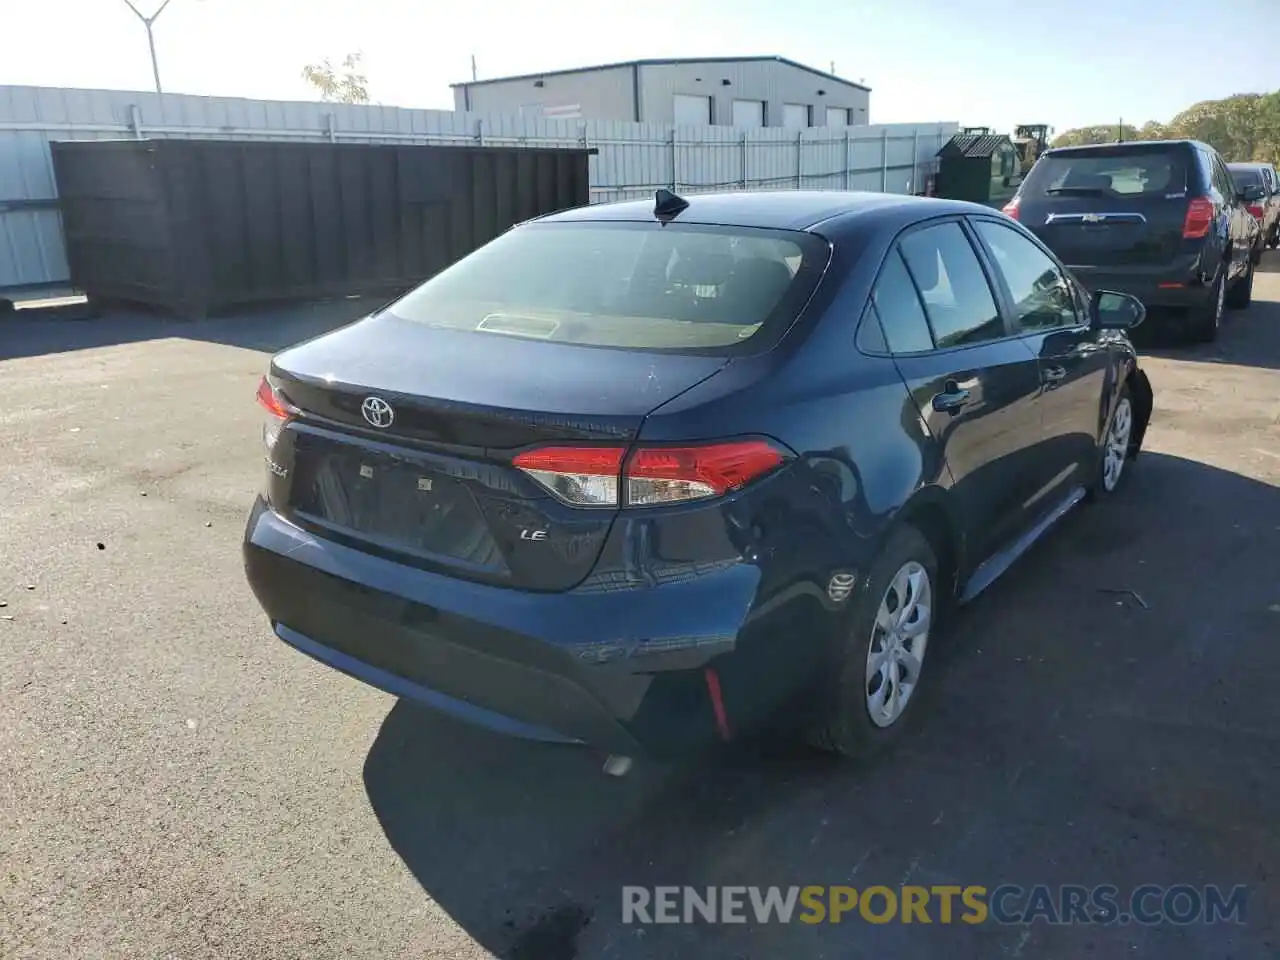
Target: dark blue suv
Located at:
point(651, 475)
point(1162, 220)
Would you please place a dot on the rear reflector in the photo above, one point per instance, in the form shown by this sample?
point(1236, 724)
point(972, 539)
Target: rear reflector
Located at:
point(1199, 218)
point(596, 477)
point(1010, 209)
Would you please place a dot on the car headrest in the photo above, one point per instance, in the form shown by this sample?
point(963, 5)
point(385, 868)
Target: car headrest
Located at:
point(1089, 181)
point(758, 281)
point(702, 269)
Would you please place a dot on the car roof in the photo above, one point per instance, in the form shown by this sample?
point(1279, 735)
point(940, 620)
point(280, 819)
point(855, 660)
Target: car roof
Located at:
point(1121, 145)
point(1248, 165)
point(779, 209)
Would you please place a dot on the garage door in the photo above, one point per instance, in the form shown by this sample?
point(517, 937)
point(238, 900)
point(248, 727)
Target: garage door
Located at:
point(795, 115)
point(748, 114)
point(837, 117)
point(692, 111)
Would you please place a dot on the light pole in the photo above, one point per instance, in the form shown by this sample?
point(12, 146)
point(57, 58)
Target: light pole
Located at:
point(151, 40)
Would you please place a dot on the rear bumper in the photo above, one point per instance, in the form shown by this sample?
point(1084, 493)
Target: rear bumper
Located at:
point(622, 669)
point(1183, 284)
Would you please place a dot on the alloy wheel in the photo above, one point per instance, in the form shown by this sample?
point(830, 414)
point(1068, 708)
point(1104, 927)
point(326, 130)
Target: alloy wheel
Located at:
point(899, 638)
point(1117, 444)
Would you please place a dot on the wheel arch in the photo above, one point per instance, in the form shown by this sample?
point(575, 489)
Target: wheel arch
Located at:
point(929, 511)
point(1143, 398)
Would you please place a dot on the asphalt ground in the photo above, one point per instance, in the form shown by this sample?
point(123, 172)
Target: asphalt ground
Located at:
point(174, 782)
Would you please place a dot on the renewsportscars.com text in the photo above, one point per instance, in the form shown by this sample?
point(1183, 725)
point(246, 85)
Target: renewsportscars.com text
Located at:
point(1005, 904)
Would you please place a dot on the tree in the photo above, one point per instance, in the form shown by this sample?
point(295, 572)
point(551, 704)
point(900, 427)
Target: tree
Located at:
point(1245, 126)
point(349, 86)
point(1097, 133)
point(1230, 125)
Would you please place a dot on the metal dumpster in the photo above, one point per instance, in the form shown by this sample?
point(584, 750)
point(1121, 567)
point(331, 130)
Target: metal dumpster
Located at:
point(195, 226)
point(979, 167)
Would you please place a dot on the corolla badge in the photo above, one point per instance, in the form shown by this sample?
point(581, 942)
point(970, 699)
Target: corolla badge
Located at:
point(378, 412)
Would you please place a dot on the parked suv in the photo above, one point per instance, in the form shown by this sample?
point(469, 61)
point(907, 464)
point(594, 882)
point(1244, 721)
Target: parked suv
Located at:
point(1260, 188)
point(1161, 220)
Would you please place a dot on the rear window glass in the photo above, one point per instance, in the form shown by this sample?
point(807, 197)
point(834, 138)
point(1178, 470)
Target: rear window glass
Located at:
point(1146, 173)
point(643, 286)
point(956, 295)
point(898, 306)
point(1248, 177)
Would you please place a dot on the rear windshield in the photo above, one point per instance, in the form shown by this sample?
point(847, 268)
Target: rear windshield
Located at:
point(643, 286)
point(1246, 177)
point(1139, 173)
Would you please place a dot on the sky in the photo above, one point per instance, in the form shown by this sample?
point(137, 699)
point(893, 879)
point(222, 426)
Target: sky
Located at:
point(978, 62)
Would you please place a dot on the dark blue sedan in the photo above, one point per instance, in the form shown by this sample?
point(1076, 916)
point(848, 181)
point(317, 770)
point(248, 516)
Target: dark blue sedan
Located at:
point(653, 475)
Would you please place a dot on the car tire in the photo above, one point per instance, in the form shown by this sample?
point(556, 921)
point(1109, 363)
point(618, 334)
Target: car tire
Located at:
point(1116, 448)
point(877, 647)
point(1241, 293)
point(1207, 318)
point(1274, 240)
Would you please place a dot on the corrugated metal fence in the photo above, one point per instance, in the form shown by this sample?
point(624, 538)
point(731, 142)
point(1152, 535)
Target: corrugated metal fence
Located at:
point(633, 159)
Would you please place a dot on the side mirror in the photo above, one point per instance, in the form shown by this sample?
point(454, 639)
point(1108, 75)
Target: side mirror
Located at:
point(1251, 193)
point(1116, 311)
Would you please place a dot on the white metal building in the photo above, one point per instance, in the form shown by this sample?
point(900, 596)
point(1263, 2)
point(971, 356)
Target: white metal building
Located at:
point(633, 159)
point(743, 92)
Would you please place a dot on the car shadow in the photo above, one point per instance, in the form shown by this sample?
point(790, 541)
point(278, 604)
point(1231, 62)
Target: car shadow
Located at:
point(67, 327)
point(1248, 338)
point(1105, 714)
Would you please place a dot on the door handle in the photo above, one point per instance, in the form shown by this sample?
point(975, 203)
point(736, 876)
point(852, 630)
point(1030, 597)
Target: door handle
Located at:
point(1055, 374)
point(952, 398)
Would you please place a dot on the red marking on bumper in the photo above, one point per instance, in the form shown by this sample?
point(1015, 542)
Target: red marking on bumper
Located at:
point(717, 703)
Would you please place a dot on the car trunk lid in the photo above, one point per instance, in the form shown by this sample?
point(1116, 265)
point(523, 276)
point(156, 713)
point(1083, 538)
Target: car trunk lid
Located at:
point(407, 433)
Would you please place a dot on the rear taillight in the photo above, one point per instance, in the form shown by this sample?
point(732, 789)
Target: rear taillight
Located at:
point(1010, 209)
point(666, 474)
point(1199, 218)
point(271, 401)
point(278, 411)
point(598, 477)
point(1256, 210)
point(583, 476)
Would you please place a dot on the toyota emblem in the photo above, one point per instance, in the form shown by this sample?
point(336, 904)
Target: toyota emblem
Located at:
point(378, 412)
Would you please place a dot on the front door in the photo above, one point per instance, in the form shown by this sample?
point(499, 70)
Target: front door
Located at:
point(1073, 365)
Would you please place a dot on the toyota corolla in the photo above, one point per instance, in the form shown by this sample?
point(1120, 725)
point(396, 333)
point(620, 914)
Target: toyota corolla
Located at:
point(651, 475)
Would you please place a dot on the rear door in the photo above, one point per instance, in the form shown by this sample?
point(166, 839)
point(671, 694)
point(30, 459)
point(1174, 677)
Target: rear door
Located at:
point(1073, 367)
point(975, 385)
point(1114, 207)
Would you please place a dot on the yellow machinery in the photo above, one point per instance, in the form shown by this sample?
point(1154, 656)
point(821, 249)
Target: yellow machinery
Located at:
point(1031, 139)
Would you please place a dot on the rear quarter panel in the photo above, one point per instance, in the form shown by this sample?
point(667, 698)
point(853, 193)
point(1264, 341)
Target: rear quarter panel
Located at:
point(861, 458)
